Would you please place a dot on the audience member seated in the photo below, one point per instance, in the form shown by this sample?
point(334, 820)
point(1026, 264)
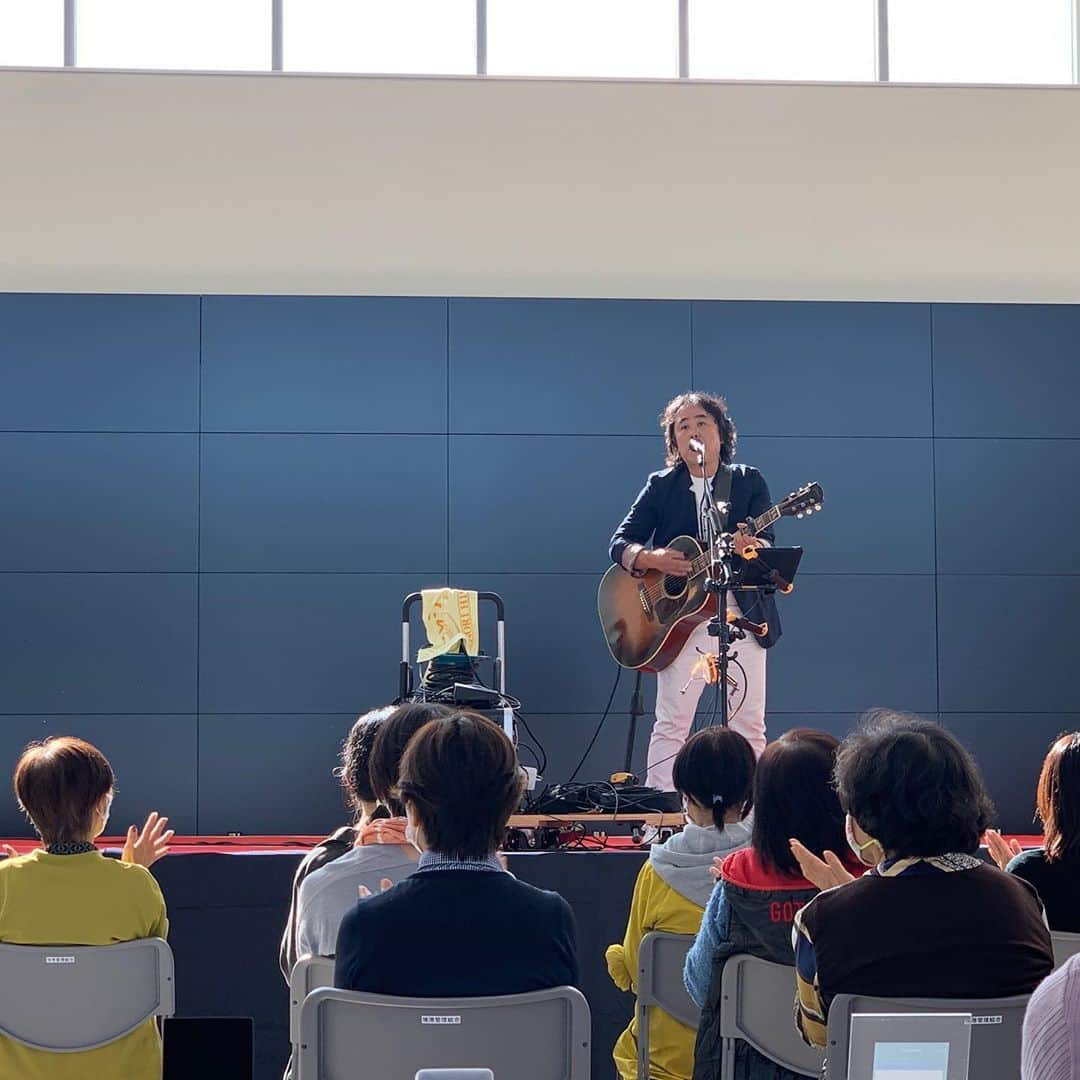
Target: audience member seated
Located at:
point(753, 906)
point(461, 925)
point(1052, 1027)
point(931, 919)
point(381, 851)
point(67, 893)
point(360, 798)
point(1054, 868)
point(714, 774)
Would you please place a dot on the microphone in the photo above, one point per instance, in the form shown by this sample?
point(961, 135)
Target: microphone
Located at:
point(697, 446)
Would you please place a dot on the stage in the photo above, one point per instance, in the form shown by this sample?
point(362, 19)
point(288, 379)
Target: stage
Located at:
point(228, 898)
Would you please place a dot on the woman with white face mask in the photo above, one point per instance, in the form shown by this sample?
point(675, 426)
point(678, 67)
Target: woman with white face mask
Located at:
point(930, 919)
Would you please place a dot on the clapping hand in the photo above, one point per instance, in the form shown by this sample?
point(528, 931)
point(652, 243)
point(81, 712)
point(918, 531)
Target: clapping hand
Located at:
point(364, 892)
point(825, 873)
point(146, 847)
point(1002, 851)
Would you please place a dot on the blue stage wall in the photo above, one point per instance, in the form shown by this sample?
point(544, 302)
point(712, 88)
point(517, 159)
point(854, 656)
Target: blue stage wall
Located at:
point(213, 506)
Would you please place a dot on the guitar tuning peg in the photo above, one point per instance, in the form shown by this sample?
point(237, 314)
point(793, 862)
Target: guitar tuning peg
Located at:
point(817, 506)
point(799, 515)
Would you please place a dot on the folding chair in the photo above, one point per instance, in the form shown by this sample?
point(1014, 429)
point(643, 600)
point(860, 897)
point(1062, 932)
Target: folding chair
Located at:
point(995, 1033)
point(661, 958)
point(308, 973)
point(1065, 945)
point(542, 1035)
point(68, 998)
point(757, 1000)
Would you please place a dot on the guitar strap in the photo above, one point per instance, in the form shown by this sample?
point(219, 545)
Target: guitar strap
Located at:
point(721, 489)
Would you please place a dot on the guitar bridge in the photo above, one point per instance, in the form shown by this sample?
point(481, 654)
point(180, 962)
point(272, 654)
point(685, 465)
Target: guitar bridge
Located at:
point(645, 605)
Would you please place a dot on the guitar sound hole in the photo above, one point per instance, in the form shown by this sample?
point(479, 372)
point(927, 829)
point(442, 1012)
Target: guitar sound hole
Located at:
point(674, 586)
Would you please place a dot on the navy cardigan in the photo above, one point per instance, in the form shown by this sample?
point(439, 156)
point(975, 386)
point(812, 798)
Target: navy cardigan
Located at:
point(457, 933)
point(665, 509)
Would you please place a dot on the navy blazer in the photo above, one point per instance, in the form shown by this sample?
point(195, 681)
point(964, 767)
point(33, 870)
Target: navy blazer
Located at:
point(665, 509)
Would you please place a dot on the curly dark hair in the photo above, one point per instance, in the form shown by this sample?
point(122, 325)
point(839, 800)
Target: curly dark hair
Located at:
point(911, 786)
point(716, 407)
point(355, 755)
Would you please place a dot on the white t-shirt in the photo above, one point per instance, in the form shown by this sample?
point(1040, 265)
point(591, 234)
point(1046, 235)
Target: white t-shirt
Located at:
point(698, 489)
point(327, 893)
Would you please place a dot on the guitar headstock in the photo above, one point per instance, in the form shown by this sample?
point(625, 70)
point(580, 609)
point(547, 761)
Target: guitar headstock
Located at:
point(802, 503)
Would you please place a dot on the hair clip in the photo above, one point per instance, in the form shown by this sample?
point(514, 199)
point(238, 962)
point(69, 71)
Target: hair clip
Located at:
point(717, 798)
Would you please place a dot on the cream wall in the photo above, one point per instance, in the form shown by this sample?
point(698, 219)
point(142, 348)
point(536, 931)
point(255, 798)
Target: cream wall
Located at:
point(116, 182)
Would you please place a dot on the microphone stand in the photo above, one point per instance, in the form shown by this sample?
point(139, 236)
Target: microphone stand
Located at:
point(718, 582)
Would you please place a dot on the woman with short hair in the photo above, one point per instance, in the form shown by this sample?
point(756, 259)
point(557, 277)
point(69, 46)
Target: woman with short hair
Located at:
point(930, 919)
point(67, 893)
point(1053, 868)
point(460, 925)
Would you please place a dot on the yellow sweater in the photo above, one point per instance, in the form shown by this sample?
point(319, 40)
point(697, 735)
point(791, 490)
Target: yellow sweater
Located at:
point(655, 906)
point(81, 900)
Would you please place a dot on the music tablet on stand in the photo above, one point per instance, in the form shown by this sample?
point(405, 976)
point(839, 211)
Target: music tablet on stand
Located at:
point(758, 572)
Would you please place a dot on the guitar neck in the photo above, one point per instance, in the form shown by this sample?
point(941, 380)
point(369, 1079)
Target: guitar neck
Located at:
point(755, 525)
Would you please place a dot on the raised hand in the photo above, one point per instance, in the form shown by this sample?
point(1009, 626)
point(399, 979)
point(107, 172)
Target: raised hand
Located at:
point(1002, 851)
point(364, 892)
point(825, 873)
point(147, 846)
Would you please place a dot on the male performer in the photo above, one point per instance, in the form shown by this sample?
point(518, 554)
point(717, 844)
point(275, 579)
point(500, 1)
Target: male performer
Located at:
point(668, 506)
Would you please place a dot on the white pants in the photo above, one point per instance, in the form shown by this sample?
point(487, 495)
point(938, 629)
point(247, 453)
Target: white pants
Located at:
point(675, 710)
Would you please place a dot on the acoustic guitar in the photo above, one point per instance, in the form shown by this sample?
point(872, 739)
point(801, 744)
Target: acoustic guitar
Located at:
point(647, 620)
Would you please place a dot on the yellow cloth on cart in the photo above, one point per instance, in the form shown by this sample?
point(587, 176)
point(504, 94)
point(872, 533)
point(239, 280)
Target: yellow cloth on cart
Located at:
point(450, 618)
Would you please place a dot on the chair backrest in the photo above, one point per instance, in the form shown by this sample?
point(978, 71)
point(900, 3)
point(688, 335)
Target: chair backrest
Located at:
point(67, 998)
point(542, 1035)
point(661, 958)
point(455, 1074)
point(757, 1001)
point(1065, 945)
point(308, 973)
point(996, 1028)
